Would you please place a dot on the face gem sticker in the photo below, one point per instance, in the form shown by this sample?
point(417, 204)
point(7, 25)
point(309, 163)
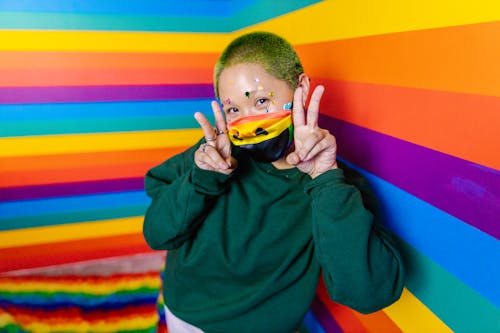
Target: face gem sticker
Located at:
point(227, 101)
point(260, 88)
point(287, 106)
point(271, 94)
point(247, 94)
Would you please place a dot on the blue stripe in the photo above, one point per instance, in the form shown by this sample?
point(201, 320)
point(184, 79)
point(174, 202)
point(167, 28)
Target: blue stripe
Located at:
point(129, 7)
point(463, 250)
point(118, 110)
point(78, 118)
point(26, 208)
point(86, 215)
point(85, 302)
point(200, 16)
point(312, 324)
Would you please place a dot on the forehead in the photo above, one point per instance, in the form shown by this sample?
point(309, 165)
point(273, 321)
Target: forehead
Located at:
point(246, 76)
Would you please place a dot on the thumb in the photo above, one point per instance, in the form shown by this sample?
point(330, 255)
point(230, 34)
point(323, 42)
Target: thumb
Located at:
point(293, 158)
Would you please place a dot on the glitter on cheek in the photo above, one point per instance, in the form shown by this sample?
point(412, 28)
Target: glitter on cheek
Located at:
point(287, 106)
point(260, 88)
point(257, 79)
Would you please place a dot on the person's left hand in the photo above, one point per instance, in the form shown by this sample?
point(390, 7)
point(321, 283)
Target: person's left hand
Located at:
point(315, 148)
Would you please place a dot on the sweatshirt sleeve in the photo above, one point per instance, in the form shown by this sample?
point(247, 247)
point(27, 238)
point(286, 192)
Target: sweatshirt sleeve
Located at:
point(181, 195)
point(361, 266)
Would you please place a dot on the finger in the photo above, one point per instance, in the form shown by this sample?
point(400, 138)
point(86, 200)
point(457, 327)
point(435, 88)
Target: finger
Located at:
point(207, 128)
point(218, 161)
point(313, 109)
point(328, 142)
point(309, 143)
point(293, 158)
point(210, 158)
point(298, 109)
point(220, 122)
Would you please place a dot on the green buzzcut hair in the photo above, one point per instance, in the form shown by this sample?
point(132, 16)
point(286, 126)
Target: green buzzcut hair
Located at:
point(274, 53)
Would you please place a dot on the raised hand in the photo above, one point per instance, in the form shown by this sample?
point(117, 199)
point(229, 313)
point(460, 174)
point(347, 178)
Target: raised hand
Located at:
point(215, 154)
point(315, 148)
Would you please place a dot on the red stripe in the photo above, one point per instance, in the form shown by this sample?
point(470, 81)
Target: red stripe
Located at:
point(102, 77)
point(462, 125)
point(458, 58)
point(72, 315)
point(71, 251)
point(375, 322)
point(78, 279)
point(343, 315)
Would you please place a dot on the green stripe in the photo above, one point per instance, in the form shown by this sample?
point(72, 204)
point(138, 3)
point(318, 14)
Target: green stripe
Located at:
point(17, 295)
point(258, 11)
point(26, 128)
point(457, 305)
point(11, 328)
point(56, 21)
point(71, 217)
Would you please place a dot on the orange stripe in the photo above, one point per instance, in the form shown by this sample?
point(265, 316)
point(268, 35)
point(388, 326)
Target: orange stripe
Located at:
point(462, 125)
point(71, 251)
point(374, 322)
point(342, 315)
point(80, 167)
point(459, 59)
point(83, 76)
point(378, 322)
point(77, 60)
point(69, 161)
point(41, 177)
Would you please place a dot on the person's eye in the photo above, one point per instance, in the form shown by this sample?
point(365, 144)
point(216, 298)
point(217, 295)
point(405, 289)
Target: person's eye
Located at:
point(262, 102)
point(231, 110)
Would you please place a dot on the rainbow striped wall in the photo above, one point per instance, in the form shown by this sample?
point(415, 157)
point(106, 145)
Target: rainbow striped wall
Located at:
point(94, 93)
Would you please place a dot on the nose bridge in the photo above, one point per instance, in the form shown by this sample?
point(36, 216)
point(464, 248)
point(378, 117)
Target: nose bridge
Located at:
point(249, 110)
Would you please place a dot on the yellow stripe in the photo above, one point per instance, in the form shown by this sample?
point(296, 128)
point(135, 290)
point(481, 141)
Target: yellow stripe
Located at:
point(327, 20)
point(342, 19)
point(82, 287)
point(412, 316)
point(103, 41)
point(5, 319)
point(69, 232)
point(78, 143)
point(78, 326)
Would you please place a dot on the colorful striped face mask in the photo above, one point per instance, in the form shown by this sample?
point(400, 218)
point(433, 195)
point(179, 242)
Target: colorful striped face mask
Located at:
point(265, 136)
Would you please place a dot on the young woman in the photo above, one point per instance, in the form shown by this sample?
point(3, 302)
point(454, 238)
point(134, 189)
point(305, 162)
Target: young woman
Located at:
point(255, 211)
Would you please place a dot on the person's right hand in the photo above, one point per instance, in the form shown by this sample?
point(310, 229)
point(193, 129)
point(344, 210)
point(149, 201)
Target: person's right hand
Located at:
point(215, 154)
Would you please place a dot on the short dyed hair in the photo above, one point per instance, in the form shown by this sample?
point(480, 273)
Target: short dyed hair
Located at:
point(274, 53)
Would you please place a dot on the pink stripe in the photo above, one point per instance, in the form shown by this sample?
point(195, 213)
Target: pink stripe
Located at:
point(103, 93)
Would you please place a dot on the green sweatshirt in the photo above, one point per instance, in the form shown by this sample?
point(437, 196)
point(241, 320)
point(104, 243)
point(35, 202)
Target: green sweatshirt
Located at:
point(245, 251)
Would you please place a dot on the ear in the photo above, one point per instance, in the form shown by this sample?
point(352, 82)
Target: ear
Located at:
point(304, 84)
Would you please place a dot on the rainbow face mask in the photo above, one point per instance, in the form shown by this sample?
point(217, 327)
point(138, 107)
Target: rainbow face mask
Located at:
point(265, 136)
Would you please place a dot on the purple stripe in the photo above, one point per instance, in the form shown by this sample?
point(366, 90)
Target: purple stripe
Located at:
point(324, 317)
point(103, 93)
point(68, 189)
point(466, 190)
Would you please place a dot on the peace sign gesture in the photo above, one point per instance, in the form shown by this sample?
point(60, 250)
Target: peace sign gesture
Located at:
point(315, 148)
point(215, 154)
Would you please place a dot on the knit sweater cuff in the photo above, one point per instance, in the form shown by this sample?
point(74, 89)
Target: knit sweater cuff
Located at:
point(208, 182)
point(326, 179)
